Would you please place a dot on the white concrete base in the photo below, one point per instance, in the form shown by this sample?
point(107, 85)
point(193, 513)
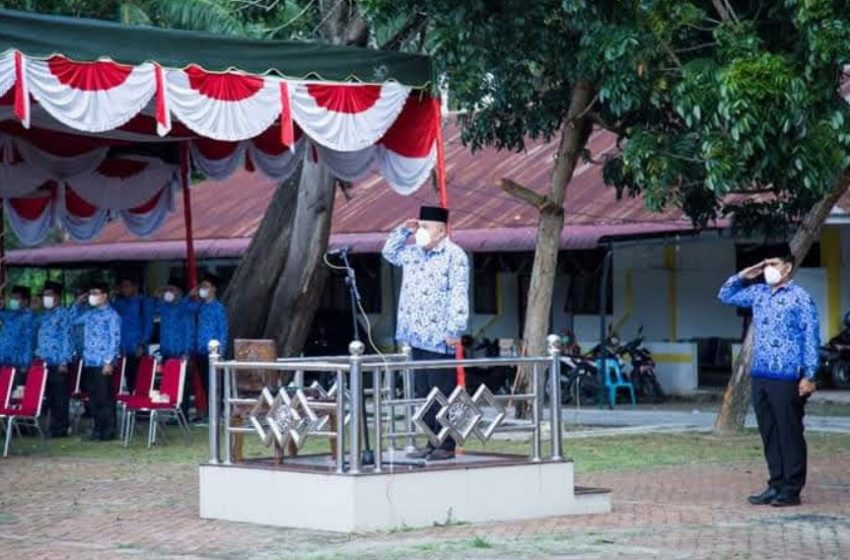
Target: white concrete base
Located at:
point(330, 502)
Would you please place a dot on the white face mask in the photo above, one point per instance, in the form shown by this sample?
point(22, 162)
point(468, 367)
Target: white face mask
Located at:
point(423, 237)
point(772, 275)
point(94, 300)
point(49, 302)
point(204, 293)
point(168, 296)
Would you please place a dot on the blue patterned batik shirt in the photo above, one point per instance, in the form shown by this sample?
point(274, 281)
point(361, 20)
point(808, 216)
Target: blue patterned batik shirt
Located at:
point(176, 327)
point(17, 337)
point(787, 330)
point(53, 342)
point(134, 322)
point(434, 300)
point(101, 334)
point(211, 325)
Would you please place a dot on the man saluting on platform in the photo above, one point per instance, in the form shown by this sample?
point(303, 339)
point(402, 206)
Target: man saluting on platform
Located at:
point(433, 309)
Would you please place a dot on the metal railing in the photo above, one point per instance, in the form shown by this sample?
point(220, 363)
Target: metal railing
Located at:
point(288, 416)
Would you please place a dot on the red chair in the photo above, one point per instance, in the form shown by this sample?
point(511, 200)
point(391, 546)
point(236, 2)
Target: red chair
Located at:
point(171, 387)
point(119, 382)
point(29, 409)
point(145, 374)
point(7, 378)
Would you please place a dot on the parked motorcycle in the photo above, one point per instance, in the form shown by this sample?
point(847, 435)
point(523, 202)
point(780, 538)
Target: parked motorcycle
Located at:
point(579, 375)
point(642, 373)
point(835, 357)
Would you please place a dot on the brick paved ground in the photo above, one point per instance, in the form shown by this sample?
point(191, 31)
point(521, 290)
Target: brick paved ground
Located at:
point(54, 508)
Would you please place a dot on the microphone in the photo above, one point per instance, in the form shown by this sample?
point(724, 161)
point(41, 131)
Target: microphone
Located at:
point(343, 250)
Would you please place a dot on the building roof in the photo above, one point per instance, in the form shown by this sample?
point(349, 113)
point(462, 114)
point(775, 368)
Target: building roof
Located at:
point(484, 218)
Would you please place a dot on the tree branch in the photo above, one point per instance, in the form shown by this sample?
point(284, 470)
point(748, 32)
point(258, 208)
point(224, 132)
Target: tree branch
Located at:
point(597, 120)
point(411, 27)
point(525, 194)
point(724, 10)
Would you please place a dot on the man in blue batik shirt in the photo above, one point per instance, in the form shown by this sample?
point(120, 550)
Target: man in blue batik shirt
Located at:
point(135, 329)
point(55, 348)
point(176, 327)
point(211, 324)
point(17, 335)
point(433, 308)
point(783, 366)
point(101, 347)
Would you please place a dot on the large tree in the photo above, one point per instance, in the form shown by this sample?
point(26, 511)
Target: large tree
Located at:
point(708, 98)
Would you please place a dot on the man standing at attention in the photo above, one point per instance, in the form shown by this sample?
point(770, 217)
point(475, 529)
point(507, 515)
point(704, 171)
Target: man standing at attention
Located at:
point(784, 361)
point(433, 309)
point(101, 347)
point(54, 347)
point(135, 328)
point(17, 334)
point(211, 325)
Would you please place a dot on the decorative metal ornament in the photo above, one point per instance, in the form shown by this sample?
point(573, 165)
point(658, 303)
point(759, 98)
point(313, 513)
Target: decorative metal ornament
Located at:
point(483, 396)
point(459, 417)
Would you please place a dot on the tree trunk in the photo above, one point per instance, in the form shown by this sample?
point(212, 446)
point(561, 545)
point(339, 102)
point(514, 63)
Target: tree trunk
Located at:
point(300, 285)
point(736, 399)
point(257, 275)
point(573, 140)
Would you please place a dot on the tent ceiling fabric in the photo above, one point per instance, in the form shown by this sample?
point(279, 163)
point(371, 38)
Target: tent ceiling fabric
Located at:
point(80, 119)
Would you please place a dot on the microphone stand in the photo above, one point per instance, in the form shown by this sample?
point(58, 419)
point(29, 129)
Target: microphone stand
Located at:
point(368, 456)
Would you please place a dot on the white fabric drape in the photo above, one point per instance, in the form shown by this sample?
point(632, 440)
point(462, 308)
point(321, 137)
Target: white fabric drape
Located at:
point(95, 110)
point(117, 193)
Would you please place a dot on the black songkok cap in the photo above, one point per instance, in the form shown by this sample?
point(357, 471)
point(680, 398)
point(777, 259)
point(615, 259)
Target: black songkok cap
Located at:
point(53, 287)
point(434, 214)
point(21, 291)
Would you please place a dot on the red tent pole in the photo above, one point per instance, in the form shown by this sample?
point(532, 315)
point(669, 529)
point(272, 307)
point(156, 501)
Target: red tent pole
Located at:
point(444, 202)
point(441, 155)
point(191, 263)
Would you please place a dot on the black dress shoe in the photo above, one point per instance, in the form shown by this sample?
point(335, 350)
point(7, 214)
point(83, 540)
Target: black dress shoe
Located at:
point(764, 498)
point(786, 500)
point(441, 455)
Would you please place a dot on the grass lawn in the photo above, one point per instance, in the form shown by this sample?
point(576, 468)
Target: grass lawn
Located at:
point(591, 454)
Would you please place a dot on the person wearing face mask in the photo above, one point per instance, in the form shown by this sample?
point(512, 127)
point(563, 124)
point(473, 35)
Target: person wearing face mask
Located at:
point(101, 347)
point(433, 308)
point(54, 347)
point(782, 368)
point(211, 324)
point(136, 325)
point(17, 335)
point(176, 327)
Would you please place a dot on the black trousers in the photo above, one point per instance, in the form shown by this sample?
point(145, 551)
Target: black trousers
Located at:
point(101, 401)
point(423, 381)
point(779, 412)
point(131, 366)
point(58, 398)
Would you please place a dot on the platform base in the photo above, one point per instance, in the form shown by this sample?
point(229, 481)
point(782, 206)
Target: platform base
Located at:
point(472, 490)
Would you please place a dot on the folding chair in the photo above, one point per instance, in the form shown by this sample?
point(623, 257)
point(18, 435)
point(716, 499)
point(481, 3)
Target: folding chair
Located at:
point(173, 377)
point(145, 374)
point(7, 377)
point(612, 374)
point(29, 409)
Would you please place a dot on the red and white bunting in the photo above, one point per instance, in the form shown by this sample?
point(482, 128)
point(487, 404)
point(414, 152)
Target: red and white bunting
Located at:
point(90, 96)
point(346, 117)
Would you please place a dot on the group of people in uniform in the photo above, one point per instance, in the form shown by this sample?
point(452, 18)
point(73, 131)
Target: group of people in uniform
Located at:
point(96, 330)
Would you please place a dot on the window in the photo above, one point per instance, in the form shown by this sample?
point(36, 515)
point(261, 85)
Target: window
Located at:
point(485, 284)
point(584, 271)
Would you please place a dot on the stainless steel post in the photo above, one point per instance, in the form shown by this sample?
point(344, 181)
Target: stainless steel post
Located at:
point(340, 421)
point(391, 391)
point(376, 414)
point(212, 405)
point(355, 349)
point(228, 383)
point(535, 413)
point(407, 381)
point(554, 342)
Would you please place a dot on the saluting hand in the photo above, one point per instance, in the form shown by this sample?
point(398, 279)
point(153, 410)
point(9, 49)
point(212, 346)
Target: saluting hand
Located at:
point(754, 271)
point(411, 224)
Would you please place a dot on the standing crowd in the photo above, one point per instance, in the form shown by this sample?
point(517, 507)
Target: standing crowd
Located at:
point(96, 331)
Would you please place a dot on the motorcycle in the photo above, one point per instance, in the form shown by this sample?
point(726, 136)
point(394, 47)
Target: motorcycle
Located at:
point(579, 378)
point(835, 360)
point(642, 374)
